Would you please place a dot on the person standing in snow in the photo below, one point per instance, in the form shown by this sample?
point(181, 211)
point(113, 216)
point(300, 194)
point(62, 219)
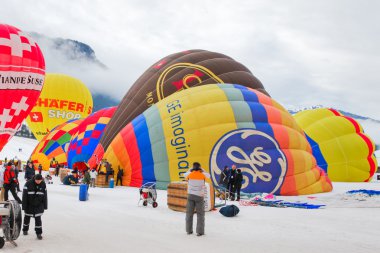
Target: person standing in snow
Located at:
point(238, 183)
point(34, 203)
point(120, 174)
point(29, 171)
point(2, 169)
point(10, 183)
point(232, 182)
point(93, 174)
point(195, 199)
point(109, 170)
point(87, 178)
point(40, 169)
point(223, 181)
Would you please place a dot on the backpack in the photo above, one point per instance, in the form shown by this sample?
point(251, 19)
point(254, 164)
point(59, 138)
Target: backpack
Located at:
point(229, 211)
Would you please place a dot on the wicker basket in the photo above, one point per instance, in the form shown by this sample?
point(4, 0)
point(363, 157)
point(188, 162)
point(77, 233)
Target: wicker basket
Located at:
point(100, 181)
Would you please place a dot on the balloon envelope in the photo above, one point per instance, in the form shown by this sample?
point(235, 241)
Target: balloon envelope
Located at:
point(171, 74)
point(22, 72)
point(84, 142)
point(55, 144)
point(63, 98)
point(339, 145)
point(218, 125)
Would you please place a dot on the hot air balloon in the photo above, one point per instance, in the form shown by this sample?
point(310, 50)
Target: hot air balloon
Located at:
point(22, 73)
point(339, 145)
point(84, 142)
point(55, 144)
point(218, 125)
point(63, 98)
point(172, 74)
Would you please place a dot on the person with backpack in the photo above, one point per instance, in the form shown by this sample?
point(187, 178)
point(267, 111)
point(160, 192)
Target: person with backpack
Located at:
point(238, 183)
point(10, 183)
point(196, 178)
point(34, 203)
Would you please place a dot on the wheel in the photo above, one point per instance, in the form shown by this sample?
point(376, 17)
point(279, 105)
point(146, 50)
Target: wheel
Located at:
point(2, 242)
point(145, 203)
point(155, 204)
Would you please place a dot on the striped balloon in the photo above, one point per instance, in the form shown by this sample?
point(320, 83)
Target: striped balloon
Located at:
point(218, 125)
point(339, 145)
point(55, 144)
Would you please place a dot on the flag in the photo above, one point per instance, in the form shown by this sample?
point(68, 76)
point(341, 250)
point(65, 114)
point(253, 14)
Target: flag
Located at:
point(36, 117)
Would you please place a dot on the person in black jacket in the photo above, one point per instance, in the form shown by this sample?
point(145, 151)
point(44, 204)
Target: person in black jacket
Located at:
point(40, 169)
point(232, 182)
point(29, 171)
point(34, 202)
point(120, 174)
point(238, 183)
point(223, 180)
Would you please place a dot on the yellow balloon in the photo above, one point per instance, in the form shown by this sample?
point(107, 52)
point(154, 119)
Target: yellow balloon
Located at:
point(63, 98)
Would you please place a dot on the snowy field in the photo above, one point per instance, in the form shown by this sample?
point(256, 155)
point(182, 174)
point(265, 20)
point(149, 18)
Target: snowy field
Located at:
point(111, 221)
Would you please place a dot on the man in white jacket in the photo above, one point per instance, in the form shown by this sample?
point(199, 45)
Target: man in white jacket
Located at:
point(93, 174)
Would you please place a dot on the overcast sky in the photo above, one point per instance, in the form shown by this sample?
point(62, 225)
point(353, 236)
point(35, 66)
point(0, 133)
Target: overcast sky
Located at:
point(304, 52)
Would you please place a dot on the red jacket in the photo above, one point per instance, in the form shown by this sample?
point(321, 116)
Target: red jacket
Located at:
point(9, 176)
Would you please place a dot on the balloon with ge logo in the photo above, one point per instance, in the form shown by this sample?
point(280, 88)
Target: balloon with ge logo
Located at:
point(218, 125)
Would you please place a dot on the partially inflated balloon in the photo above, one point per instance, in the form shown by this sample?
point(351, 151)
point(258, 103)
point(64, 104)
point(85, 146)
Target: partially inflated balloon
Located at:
point(55, 144)
point(172, 74)
point(63, 98)
point(218, 125)
point(84, 142)
point(339, 145)
point(22, 72)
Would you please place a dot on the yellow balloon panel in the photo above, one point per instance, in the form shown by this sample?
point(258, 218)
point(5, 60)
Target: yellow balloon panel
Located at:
point(63, 98)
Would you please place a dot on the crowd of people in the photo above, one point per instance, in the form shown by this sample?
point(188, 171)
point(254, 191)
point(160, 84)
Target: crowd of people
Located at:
point(231, 179)
point(34, 194)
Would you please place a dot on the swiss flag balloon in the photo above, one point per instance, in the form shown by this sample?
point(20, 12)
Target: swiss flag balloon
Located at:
point(22, 73)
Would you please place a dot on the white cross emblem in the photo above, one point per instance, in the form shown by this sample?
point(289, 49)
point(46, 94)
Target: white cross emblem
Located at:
point(16, 45)
point(35, 117)
point(22, 106)
point(5, 118)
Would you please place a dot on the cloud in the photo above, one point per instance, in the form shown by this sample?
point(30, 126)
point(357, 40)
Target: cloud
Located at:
point(305, 53)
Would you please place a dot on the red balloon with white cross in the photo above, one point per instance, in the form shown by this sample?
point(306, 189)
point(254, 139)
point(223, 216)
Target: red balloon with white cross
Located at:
point(22, 73)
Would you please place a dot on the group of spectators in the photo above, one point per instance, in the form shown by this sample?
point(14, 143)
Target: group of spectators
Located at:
point(232, 180)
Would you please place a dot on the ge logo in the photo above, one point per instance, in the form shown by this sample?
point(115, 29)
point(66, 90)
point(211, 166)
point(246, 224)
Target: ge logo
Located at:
point(256, 153)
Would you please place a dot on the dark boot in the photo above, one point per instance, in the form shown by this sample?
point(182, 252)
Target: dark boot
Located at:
point(39, 236)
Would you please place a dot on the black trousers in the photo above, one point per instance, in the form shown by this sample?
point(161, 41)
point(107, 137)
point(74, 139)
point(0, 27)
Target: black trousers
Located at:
point(107, 175)
point(117, 181)
point(238, 188)
point(12, 188)
point(37, 226)
point(231, 188)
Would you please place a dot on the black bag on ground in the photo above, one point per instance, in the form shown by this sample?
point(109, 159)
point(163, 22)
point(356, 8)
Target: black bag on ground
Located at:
point(229, 211)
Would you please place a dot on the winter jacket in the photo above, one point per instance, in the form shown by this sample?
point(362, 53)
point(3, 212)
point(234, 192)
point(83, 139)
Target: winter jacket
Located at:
point(87, 178)
point(239, 179)
point(93, 174)
point(29, 173)
point(120, 173)
point(69, 180)
point(224, 177)
point(9, 176)
point(34, 198)
point(2, 169)
point(196, 182)
point(232, 176)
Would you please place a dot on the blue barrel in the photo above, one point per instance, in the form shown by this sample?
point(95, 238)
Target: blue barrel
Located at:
point(83, 193)
point(112, 183)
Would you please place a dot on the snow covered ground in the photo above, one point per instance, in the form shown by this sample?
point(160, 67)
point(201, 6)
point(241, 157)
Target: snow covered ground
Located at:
point(20, 147)
point(111, 221)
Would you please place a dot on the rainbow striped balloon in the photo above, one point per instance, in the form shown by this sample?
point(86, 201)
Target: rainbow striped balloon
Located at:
point(219, 125)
